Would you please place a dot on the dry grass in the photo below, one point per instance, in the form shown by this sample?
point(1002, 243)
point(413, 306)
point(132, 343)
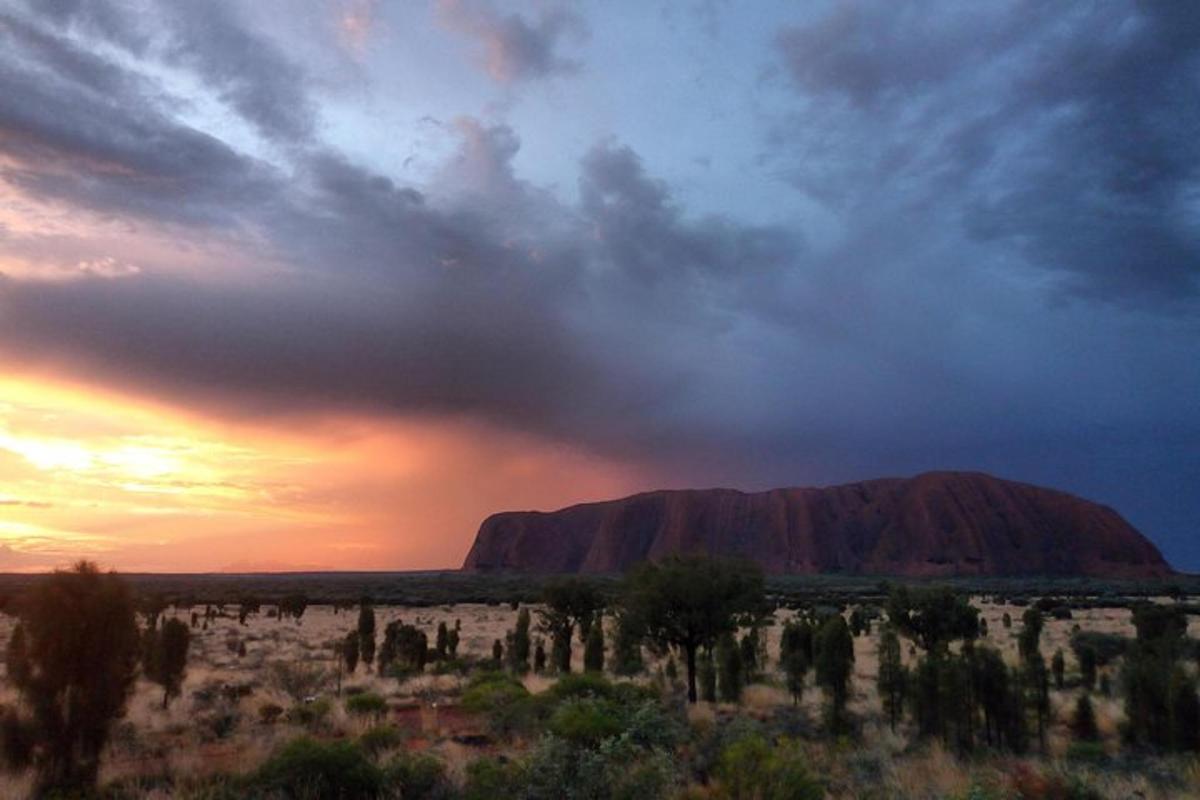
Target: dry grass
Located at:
point(185, 740)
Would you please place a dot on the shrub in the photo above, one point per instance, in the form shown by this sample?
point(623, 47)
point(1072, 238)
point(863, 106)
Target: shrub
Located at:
point(751, 768)
point(1083, 720)
point(418, 777)
point(380, 739)
point(585, 722)
point(310, 715)
point(366, 703)
point(307, 768)
point(493, 778)
point(268, 713)
point(73, 658)
point(503, 699)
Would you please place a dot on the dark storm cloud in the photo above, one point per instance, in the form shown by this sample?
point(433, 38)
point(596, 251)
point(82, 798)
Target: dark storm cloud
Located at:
point(977, 164)
point(248, 72)
point(1067, 134)
point(514, 48)
point(79, 128)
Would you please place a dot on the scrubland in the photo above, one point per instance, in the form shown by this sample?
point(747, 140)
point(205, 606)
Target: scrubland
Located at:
point(235, 713)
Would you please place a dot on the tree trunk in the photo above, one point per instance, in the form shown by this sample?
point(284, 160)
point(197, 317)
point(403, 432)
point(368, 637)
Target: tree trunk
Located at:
point(691, 671)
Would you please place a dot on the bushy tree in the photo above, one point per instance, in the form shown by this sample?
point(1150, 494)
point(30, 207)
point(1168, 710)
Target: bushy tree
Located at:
point(293, 606)
point(569, 604)
point(350, 651)
point(998, 694)
point(942, 685)
point(1083, 720)
point(627, 645)
point(1058, 666)
point(593, 651)
point(518, 651)
point(539, 657)
point(707, 676)
point(834, 663)
point(933, 617)
point(1086, 654)
point(893, 677)
point(452, 638)
point(795, 656)
point(404, 646)
point(366, 633)
point(497, 654)
point(442, 642)
point(730, 669)
point(688, 602)
point(1158, 694)
point(1029, 640)
point(72, 658)
point(166, 661)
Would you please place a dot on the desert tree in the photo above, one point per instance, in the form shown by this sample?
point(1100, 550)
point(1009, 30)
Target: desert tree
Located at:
point(730, 669)
point(293, 606)
point(834, 662)
point(1086, 654)
point(350, 651)
point(72, 658)
point(441, 642)
point(569, 604)
point(1159, 695)
point(452, 638)
point(933, 617)
point(246, 607)
point(795, 656)
point(688, 602)
point(366, 633)
point(893, 677)
point(707, 676)
point(593, 649)
point(518, 652)
point(1029, 640)
point(1083, 720)
point(497, 654)
point(940, 685)
point(539, 656)
point(627, 645)
point(166, 663)
point(1058, 666)
point(405, 647)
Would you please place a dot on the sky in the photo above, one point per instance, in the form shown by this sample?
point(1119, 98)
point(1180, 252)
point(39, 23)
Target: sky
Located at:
point(322, 285)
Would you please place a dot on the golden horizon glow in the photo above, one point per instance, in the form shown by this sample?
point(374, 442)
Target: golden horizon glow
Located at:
point(140, 485)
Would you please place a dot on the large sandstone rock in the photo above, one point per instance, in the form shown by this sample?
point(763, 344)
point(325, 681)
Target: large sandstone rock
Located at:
point(939, 523)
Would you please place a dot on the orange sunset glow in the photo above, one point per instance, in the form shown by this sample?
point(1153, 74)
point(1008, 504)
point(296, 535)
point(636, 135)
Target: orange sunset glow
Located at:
point(146, 487)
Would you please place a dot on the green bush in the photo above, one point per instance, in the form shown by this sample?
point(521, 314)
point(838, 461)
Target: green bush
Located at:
point(505, 702)
point(367, 703)
point(380, 739)
point(310, 715)
point(418, 777)
point(306, 768)
point(1092, 752)
point(493, 779)
point(490, 691)
point(586, 721)
point(753, 769)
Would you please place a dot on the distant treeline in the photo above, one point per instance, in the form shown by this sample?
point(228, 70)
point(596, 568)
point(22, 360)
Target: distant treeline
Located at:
point(449, 587)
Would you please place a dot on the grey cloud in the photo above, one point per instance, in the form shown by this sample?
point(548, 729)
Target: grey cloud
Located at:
point(78, 128)
point(247, 70)
point(1067, 134)
point(513, 48)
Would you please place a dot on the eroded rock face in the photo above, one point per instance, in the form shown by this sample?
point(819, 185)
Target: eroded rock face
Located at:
point(939, 523)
